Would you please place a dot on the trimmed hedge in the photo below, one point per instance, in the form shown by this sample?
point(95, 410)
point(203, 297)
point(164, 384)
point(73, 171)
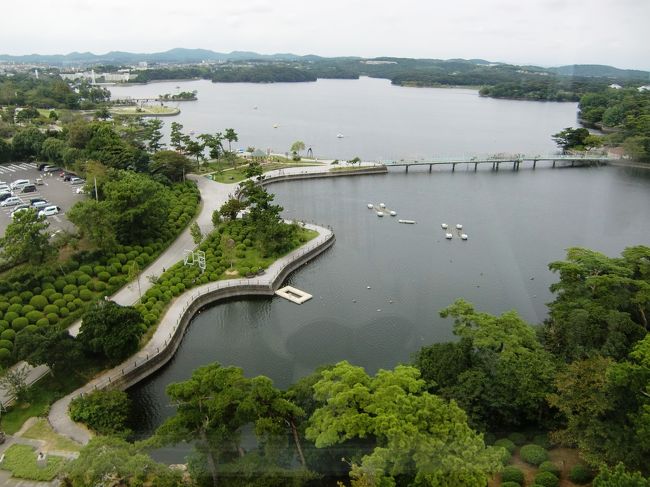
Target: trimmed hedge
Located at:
point(533, 454)
point(517, 438)
point(547, 479)
point(550, 467)
point(512, 474)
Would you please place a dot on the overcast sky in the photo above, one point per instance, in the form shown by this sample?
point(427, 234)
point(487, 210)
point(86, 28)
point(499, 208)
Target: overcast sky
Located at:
point(543, 32)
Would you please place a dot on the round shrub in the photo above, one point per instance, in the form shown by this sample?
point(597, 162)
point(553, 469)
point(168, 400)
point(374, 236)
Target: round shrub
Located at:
point(70, 279)
point(48, 289)
point(34, 316)
point(19, 323)
point(103, 276)
point(517, 438)
point(547, 479)
point(512, 474)
point(53, 318)
point(15, 300)
point(51, 308)
point(83, 279)
point(533, 454)
point(77, 302)
point(121, 257)
point(6, 344)
point(549, 467)
point(86, 269)
point(27, 308)
point(507, 444)
point(510, 484)
point(99, 268)
point(5, 354)
point(69, 297)
point(54, 296)
point(43, 322)
point(59, 303)
point(70, 289)
point(16, 308)
point(4, 324)
point(580, 474)
point(505, 455)
point(8, 334)
point(10, 316)
point(86, 295)
point(99, 286)
point(59, 284)
point(31, 328)
point(4, 305)
point(116, 281)
point(63, 312)
point(26, 296)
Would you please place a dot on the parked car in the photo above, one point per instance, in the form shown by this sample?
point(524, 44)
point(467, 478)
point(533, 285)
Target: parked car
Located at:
point(5, 195)
point(81, 190)
point(11, 201)
point(5, 188)
point(40, 204)
point(76, 180)
point(42, 166)
point(49, 211)
point(35, 200)
point(30, 188)
point(51, 169)
point(19, 183)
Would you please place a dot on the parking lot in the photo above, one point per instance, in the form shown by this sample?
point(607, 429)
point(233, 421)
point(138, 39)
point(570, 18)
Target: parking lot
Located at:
point(54, 190)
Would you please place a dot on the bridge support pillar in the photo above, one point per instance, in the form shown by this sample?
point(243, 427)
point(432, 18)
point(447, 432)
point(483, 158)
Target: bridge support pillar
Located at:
point(573, 163)
point(407, 169)
point(430, 166)
point(534, 163)
point(453, 167)
point(493, 164)
point(553, 163)
point(475, 166)
point(514, 166)
point(498, 166)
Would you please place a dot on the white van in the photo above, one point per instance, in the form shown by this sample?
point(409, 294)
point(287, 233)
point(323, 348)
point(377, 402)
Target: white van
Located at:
point(20, 183)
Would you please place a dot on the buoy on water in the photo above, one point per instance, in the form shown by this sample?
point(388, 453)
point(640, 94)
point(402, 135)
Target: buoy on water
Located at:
point(463, 236)
point(380, 213)
point(370, 206)
point(381, 205)
point(459, 226)
point(393, 213)
point(409, 222)
point(448, 236)
point(444, 226)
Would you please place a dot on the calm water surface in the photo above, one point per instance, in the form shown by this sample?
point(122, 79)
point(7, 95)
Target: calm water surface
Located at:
point(517, 223)
point(378, 120)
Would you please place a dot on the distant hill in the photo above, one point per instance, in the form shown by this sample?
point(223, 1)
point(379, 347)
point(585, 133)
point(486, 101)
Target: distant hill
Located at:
point(599, 71)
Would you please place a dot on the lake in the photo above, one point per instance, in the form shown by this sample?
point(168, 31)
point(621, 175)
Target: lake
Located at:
point(379, 121)
point(517, 223)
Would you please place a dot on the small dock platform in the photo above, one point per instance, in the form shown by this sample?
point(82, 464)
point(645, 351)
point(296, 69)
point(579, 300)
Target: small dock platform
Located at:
point(293, 294)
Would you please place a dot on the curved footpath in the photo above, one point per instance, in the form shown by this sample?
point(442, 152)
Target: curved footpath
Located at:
point(169, 333)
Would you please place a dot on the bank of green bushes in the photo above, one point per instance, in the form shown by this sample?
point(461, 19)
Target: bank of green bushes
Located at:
point(58, 294)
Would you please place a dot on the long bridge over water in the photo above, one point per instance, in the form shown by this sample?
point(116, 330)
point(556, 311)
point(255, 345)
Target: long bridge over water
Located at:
point(516, 161)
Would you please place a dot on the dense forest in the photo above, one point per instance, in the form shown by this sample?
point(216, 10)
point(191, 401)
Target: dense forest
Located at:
point(625, 114)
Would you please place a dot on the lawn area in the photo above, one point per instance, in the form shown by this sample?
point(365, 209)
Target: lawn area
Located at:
point(41, 395)
point(236, 175)
point(41, 430)
point(145, 110)
point(20, 460)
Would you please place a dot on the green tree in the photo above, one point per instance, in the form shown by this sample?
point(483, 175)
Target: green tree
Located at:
point(296, 147)
point(14, 381)
point(196, 233)
point(105, 412)
point(602, 304)
point(52, 149)
point(570, 138)
point(5, 151)
point(195, 149)
point(231, 208)
point(170, 164)
point(216, 218)
point(97, 221)
point(214, 143)
point(153, 135)
point(102, 113)
point(112, 461)
point(141, 203)
point(231, 136)
point(418, 435)
point(618, 476)
point(214, 406)
point(111, 330)
point(49, 346)
point(176, 137)
point(27, 143)
point(26, 239)
point(254, 170)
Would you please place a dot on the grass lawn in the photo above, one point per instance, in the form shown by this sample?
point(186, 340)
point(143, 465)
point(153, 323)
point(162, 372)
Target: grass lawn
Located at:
point(145, 110)
point(236, 175)
point(41, 430)
point(20, 460)
point(41, 395)
point(347, 168)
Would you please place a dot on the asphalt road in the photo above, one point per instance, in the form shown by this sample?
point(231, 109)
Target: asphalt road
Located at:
point(54, 190)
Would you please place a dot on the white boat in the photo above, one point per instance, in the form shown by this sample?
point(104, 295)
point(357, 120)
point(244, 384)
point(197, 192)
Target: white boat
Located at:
point(339, 136)
point(380, 213)
point(459, 226)
point(410, 222)
point(381, 205)
point(444, 226)
point(393, 213)
point(370, 206)
point(275, 125)
point(463, 236)
point(448, 236)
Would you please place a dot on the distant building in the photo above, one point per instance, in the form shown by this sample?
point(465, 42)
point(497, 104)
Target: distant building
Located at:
point(615, 86)
point(142, 64)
